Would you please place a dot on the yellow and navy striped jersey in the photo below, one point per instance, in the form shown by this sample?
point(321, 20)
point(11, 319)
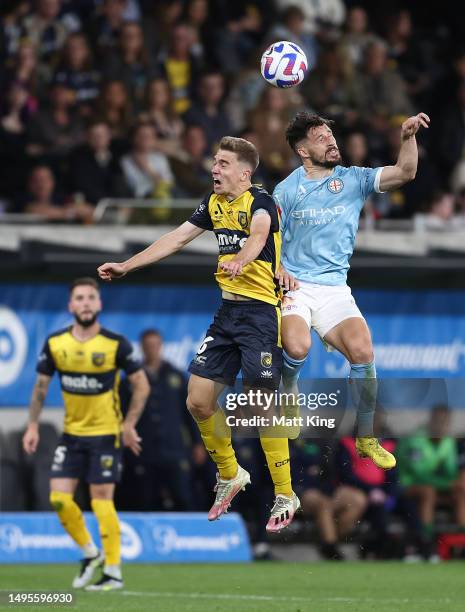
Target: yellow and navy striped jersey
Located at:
point(230, 221)
point(89, 376)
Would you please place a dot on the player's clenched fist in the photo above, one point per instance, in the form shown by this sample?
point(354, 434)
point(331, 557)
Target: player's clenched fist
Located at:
point(108, 271)
point(411, 125)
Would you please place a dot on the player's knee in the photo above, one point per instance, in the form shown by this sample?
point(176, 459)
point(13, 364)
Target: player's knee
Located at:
point(361, 353)
point(59, 500)
point(297, 348)
point(198, 408)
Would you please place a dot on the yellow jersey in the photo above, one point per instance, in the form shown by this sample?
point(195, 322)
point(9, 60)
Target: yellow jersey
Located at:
point(89, 374)
point(230, 221)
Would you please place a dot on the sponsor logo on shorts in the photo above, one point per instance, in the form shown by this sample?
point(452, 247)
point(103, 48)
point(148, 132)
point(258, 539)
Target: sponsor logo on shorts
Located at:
point(98, 359)
point(106, 463)
point(266, 374)
point(266, 360)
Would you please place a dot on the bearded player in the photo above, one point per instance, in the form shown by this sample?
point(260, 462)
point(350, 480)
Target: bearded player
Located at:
point(320, 203)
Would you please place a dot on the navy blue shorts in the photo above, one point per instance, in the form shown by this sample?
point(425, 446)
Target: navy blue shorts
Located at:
point(243, 336)
point(96, 459)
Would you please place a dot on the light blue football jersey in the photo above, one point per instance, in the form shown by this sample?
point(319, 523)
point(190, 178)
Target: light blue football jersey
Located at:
point(320, 220)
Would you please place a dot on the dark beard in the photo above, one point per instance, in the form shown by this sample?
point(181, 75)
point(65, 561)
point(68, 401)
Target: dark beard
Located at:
point(86, 322)
point(324, 163)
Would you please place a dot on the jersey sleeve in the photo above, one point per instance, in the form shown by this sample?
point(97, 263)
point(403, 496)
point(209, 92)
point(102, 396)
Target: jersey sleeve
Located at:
point(45, 363)
point(265, 202)
point(126, 358)
point(279, 196)
point(201, 216)
point(369, 179)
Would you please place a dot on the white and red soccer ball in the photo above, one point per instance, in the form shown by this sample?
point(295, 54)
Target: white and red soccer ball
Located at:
point(284, 64)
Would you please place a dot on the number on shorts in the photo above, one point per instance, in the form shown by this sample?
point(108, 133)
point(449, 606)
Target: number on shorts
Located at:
point(59, 456)
point(204, 345)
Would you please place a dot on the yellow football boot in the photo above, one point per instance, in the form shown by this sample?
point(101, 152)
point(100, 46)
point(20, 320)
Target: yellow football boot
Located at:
point(371, 448)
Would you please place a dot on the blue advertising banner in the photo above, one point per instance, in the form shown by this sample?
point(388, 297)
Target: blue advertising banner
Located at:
point(415, 333)
point(38, 537)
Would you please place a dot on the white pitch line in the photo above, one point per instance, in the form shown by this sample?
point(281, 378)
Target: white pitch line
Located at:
point(310, 599)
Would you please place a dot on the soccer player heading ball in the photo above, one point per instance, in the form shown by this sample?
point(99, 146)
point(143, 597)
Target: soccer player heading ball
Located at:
point(320, 204)
point(245, 333)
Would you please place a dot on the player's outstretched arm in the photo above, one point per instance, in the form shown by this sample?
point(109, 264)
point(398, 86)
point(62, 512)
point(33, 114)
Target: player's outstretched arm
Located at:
point(259, 230)
point(140, 392)
point(393, 177)
point(161, 248)
point(31, 436)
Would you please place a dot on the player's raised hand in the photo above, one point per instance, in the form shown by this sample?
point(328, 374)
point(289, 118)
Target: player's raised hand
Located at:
point(109, 271)
point(131, 439)
point(411, 125)
point(31, 439)
point(233, 267)
point(287, 282)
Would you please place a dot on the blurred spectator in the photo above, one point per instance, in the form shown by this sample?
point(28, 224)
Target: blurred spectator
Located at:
point(459, 487)
point(160, 18)
point(11, 14)
point(269, 120)
point(196, 15)
point(159, 110)
point(326, 88)
point(192, 166)
point(376, 489)
point(357, 35)
point(105, 25)
point(336, 509)
point(377, 92)
point(147, 171)
point(114, 107)
point(291, 27)
point(43, 200)
point(412, 55)
point(160, 477)
point(180, 66)
point(245, 92)
point(319, 15)
point(24, 70)
point(95, 171)
point(428, 467)
point(75, 70)
point(356, 153)
point(44, 28)
point(208, 111)
point(239, 27)
point(130, 63)
point(449, 134)
point(56, 129)
point(439, 214)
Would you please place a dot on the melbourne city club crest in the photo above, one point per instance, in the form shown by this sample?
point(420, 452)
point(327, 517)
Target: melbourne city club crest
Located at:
point(335, 185)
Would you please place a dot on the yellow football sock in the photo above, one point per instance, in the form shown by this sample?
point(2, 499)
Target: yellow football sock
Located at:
point(71, 517)
point(105, 512)
point(216, 436)
point(277, 457)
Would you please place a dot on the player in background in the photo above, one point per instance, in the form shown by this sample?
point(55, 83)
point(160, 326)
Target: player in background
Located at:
point(88, 359)
point(245, 333)
point(320, 203)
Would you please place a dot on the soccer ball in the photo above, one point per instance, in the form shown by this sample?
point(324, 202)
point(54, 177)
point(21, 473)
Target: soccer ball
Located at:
point(284, 64)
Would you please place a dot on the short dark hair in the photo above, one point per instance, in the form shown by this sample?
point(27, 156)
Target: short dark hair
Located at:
point(298, 127)
point(149, 332)
point(83, 281)
point(245, 150)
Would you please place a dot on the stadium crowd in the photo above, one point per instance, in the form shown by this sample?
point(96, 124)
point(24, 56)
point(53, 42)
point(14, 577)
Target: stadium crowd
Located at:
point(129, 98)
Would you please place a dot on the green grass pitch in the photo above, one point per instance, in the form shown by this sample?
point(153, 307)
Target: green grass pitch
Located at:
point(267, 587)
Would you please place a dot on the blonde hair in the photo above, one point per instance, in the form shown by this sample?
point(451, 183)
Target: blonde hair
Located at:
point(245, 150)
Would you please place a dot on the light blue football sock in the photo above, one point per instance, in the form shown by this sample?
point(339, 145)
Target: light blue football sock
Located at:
point(364, 387)
point(291, 370)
